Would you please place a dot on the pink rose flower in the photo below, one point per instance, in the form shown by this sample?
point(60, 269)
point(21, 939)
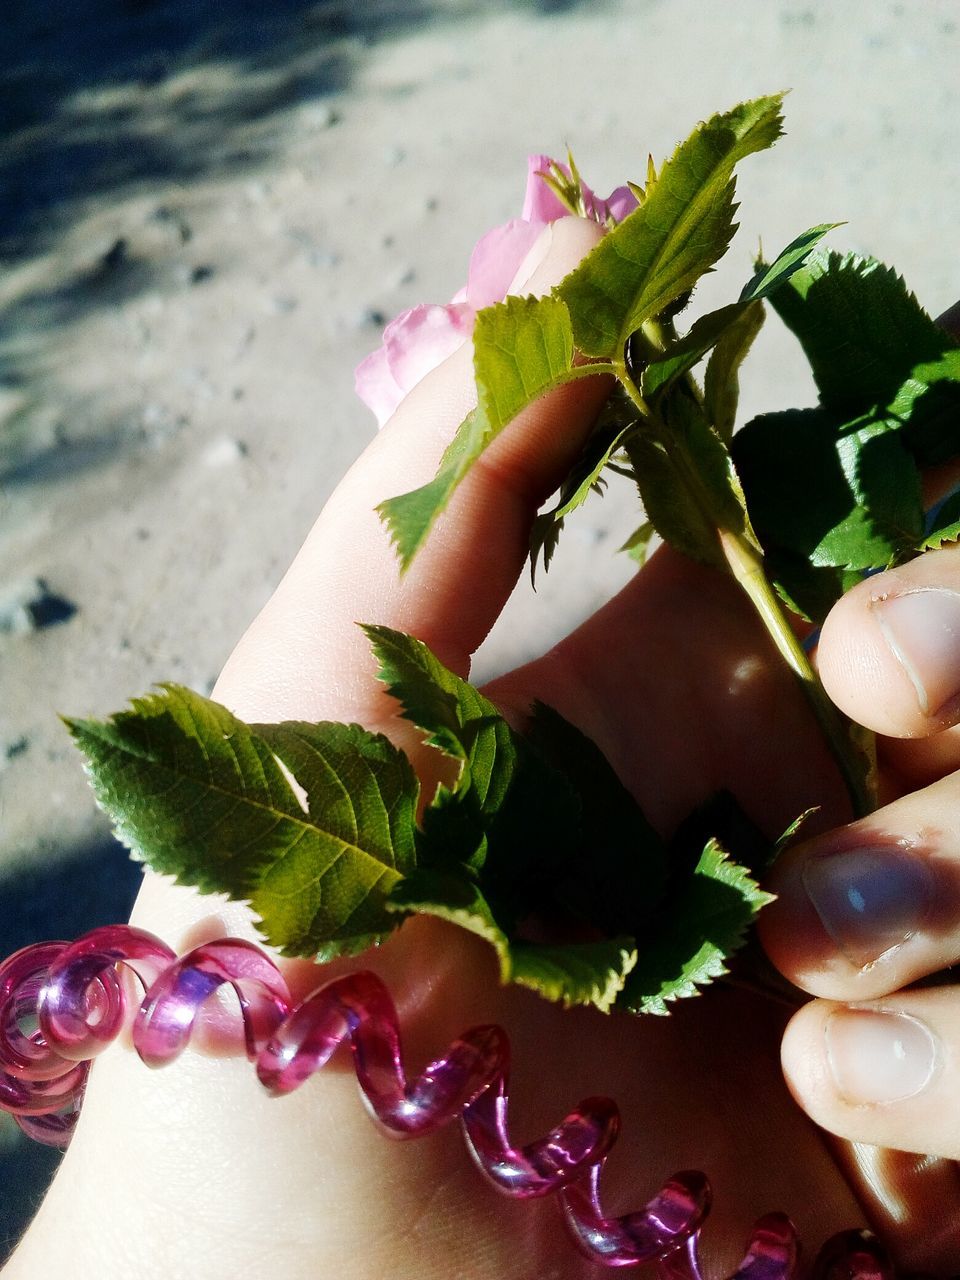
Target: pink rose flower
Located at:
point(420, 339)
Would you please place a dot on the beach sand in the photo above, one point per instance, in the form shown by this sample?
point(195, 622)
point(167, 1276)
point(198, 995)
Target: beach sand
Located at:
point(206, 222)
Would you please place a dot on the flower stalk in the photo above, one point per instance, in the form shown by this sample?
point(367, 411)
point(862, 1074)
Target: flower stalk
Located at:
point(745, 563)
point(746, 566)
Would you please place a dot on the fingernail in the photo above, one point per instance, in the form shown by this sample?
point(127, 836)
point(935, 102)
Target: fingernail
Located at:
point(533, 261)
point(869, 900)
point(922, 629)
point(879, 1057)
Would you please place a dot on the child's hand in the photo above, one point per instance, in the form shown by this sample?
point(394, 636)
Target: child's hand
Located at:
point(193, 1172)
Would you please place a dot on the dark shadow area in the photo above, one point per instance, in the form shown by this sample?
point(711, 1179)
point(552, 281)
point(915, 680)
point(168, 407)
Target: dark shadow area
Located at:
point(59, 461)
point(103, 100)
point(95, 886)
point(76, 442)
point(131, 91)
point(106, 95)
point(109, 281)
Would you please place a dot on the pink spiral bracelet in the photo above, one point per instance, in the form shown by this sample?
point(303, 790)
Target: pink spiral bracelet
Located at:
point(62, 1003)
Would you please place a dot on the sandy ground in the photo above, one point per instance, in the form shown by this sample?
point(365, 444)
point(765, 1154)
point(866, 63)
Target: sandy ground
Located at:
point(206, 222)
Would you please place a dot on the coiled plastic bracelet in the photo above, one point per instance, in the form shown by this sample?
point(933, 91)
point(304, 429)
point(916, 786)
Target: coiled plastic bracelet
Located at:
point(62, 1003)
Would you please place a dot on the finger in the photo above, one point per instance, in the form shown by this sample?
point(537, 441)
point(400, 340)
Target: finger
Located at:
point(304, 655)
point(909, 1199)
point(872, 906)
point(305, 658)
point(889, 652)
point(885, 1073)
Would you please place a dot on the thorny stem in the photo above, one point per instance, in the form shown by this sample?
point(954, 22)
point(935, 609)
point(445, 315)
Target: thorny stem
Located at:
point(745, 563)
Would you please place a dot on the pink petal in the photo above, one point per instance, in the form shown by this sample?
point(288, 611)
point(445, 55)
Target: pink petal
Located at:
point(539, 203)
point(621, 202)
point(422, 338)
point(495, 259)
point(413, 344)
point(376, 385)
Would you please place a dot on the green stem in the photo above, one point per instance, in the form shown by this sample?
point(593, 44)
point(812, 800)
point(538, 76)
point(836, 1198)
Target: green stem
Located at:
point(655, 333)
point(659, 335)
point(592, 369)
point(746, 565)
point(623, 373)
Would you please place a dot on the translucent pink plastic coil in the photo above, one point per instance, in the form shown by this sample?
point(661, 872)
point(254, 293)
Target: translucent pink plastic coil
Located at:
point(62, 1003)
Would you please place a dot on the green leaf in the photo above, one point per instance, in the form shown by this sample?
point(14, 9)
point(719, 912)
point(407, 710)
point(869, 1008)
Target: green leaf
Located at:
point(544, 539)
point(872, 346)
point(561, 840)
point(928, 405)
point(861, 329)
point(450, 711)
point(510, 813)
point(767, 279)
point(945, 526)
point(706, 458)
point(523, 348)
point(687, 483)
point(703, 927)
point(584, 478)
point(807, 590)
point(788, 836)
point(616, 418)
point(201, 796)
point(591, 973)
point(519, 814)
point(409, 517)
point(823, 493)
point(455, 896)
point(683, 354)
point(710, 329)
point(577, 973)
point(463, 724)
point(720, 818)
point(669, 506)
point(570, 848)
point(681, 229)
point(637, 546)
point(620, 882)
point(721, 383)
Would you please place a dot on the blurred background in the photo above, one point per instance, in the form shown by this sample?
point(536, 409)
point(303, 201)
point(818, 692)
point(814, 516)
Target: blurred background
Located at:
point(207, 212)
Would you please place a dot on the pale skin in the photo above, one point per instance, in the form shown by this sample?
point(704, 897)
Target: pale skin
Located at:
point(193, 1172)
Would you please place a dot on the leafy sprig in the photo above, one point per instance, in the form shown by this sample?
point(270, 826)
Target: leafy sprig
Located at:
point(798, 506)
point(533, 843)
point(316, 826)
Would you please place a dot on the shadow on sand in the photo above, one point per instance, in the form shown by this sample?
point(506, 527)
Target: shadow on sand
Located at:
point(109, 99)
point(134, 91)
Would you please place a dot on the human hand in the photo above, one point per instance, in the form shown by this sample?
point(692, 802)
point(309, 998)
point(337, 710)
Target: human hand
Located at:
point(193, 1172)
point(872, 908)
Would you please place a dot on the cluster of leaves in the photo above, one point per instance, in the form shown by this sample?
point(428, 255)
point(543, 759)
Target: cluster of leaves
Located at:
point(534, 844)
point(889, 384)
point(822, 495)
point(316, 826)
